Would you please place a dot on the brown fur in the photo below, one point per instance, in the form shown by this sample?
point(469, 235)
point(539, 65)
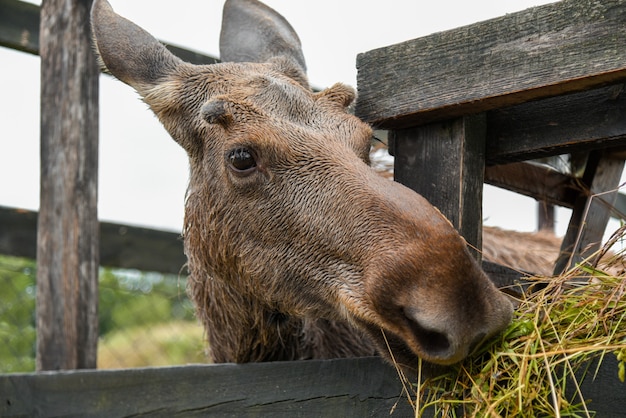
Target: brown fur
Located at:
point(532, 252)
point(297, 249)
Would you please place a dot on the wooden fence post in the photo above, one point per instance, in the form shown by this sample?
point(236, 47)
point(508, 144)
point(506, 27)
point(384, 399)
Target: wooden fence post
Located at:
point(67, 241)
point(445, 163)
point(591, 211)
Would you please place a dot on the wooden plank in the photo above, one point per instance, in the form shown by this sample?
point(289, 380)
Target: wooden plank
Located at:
point(126, 246)
point(619, 210)
point(510, 281)
point(121, 246)
point(576, 122)
point(546, 217)
point(604, 392)
point(333, 388)
point(18, 232)
point(592, 210)
point(19, 29)
point(544, 51)
point(142, 248)
point(536, 181)
point(67, 240)
point(19, 26)
point(193, 57)
point(347, 387)
point(454, 154)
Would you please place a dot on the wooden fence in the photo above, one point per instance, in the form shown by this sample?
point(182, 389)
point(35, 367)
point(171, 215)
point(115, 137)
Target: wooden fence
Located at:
point(339, 388)
point(464, 103)
point(537, 83)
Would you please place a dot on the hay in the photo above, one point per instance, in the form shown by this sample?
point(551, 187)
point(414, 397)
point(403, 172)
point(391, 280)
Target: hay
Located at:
point(533, 368)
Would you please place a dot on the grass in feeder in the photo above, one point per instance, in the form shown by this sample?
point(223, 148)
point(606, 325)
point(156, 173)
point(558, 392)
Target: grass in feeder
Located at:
point(534, 367)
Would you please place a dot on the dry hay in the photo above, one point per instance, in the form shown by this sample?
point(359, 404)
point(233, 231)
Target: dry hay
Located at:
point(534, 367)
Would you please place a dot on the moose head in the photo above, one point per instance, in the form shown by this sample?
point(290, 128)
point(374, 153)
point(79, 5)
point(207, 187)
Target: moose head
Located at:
point(296, 247)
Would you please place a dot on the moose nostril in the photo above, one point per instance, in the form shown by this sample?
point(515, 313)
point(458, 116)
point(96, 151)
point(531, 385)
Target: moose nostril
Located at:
point(432, 341)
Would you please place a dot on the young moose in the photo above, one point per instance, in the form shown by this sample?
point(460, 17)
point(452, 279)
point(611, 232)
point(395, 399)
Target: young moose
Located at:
point(297, 249)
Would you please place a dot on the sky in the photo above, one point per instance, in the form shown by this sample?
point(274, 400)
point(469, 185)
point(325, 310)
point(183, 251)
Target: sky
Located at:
point(143, 173)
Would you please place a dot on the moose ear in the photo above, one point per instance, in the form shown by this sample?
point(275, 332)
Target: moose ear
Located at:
point(253, 32)
point(130, 53)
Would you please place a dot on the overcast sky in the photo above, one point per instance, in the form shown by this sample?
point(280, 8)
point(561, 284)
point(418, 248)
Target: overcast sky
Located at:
point(143, 173)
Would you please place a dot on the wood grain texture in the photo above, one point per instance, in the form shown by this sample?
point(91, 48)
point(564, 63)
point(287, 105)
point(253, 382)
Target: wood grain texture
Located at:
point(363, 387)
point(19, 29)
point(19, 26)
point(67, 241)
point(539, 182)
point(544, 51)
point(445, 163)
point(144, 249)
point(576, 122)
point(591, 211)
point(126, 246)
point(121, 246)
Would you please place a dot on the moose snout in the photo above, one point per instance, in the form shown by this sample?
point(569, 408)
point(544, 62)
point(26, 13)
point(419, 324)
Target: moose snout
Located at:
point(436, 342)
point(436, 339)
point(444, 341)
point(433, 302)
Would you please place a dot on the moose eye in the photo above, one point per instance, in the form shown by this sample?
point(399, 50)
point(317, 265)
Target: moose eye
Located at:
point(242, 160)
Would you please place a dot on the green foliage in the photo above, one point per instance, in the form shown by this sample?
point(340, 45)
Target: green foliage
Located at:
point(129, 301)
point(129, 298)
point(17, 315)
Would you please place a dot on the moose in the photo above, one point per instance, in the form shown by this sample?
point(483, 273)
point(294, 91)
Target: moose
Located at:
point(296, 248)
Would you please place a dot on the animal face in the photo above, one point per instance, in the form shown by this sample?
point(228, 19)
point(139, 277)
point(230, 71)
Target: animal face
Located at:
point(283, 211)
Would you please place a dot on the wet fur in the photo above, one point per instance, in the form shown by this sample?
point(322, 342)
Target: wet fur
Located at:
point(309, 253)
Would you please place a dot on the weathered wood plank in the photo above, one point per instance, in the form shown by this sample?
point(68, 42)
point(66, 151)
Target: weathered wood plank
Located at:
point(121, 246)
point(142, 248)
point(546, 217)
point(570, 123)
point(550, 186)
point(538, 182)
point(363, 387)
point(454, 154)
point(193, 57)
point(604, 393)
point(67, 240)
point(540, 52)
point(508, 280)
point(19, 26)
point(592, 210)
point(19, 29)
point(337, 388)
point(18, 232)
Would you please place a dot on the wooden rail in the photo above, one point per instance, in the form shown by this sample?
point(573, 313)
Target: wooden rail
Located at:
point(339, 388)
point(541, 82)
point(19, 30)
point(363, 387)
point(126, 246)
point(540, 52)
point(121, 246)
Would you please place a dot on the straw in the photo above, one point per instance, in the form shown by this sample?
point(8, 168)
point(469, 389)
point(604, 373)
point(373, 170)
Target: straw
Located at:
point(535, 366)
